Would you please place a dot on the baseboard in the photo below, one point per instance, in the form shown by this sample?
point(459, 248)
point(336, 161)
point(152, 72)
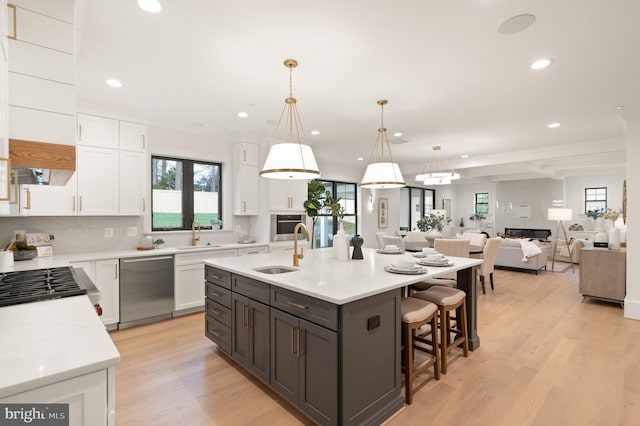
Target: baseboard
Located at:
point(632, 309)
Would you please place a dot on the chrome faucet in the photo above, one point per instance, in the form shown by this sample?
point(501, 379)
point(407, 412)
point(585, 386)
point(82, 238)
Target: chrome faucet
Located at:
point(195, 239)
point(297, 256)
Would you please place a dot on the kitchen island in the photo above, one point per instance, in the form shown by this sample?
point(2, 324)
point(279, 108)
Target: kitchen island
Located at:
point(326, 334)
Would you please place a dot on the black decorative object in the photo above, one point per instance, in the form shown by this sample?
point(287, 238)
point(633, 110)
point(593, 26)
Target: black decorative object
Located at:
point(357, 242)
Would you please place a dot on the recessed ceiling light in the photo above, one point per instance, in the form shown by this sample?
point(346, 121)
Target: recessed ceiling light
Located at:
point(619, 107)
point(553, 125)
point(151, 6)
point(541, 63)
point(397, 134)
point(114, 83)
point(360, 158)
point(517, 23)
point(315, 132)
point(243, 114)
point(464, 156)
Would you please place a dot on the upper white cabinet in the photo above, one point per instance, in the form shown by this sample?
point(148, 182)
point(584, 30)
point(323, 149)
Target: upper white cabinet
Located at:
point(42, 95)
point(133, 178)
point(245, 178)
point(98, 131)
point(98, 182)
point(44, 200)
point(133, 136)
point(287, 195)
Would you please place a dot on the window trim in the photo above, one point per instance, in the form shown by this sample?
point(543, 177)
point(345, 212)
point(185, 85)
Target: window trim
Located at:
point(188, 185)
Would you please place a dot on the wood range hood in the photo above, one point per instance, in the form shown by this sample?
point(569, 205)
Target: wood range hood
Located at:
point(42, 163)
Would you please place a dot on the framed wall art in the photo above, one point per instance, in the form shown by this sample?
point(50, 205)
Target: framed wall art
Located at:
point(383, 213)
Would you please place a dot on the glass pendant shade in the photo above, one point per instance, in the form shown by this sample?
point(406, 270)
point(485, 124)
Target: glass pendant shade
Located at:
point(290, 159)
point(382, 174)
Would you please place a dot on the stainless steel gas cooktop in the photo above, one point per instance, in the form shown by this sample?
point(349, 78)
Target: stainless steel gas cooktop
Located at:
point(40, 284)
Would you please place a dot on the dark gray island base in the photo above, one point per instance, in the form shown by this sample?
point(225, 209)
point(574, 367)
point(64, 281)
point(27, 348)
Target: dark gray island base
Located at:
point(339, 364)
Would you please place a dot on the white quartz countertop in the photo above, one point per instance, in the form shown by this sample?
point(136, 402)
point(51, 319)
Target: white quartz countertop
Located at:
point(49, 341)
point(322, 277)
point(66, 259)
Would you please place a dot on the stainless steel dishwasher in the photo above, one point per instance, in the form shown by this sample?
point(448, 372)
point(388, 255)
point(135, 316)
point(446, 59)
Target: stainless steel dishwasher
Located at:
point(146, 289)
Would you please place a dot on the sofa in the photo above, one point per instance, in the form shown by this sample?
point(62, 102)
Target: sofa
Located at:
point(510, 256)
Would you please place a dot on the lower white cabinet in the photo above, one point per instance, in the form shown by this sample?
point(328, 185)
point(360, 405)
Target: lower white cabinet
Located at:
point(252, 250)
point(107, 280)
point(189, 288)
point(90, 397)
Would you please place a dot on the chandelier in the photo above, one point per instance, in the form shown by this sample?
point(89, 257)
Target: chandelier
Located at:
point(290, 159)
point(440, 174)
point(382, 172)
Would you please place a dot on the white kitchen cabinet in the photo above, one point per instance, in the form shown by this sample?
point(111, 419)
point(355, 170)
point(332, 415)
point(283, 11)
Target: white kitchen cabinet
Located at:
point(287, 195)
point(4, 76)
point(284, 248)
point(98, 183)
point(63, 10)
point(133, 136)
point(88, 396)
point(46, 200)
point(39, 29)
point(98, 131)
point(246, 153)
point(41, 94)
point(189, 287)
point(52, 127)
point(107, 280)
point(245, 179)
point(133, 190)
point(37, 61)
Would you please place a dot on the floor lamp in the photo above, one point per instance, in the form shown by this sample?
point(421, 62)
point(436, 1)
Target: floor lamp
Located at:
point(560, 215)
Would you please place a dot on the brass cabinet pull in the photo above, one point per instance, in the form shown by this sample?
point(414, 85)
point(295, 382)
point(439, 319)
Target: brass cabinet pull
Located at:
point(80, 204)
point(244, 206)
point(73, 203)
point(80, 133)
point(214, 294)
point(15, 23)
point(216, 333)
point(215, 312)
point(144, 205)
point(144, 142)
point(115, 271)
point(217, 277)
point(244, 155)
point(297, 305)
point(28, 206)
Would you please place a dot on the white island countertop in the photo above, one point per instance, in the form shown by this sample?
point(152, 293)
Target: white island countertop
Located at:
point(49, 341)
point(319, 275)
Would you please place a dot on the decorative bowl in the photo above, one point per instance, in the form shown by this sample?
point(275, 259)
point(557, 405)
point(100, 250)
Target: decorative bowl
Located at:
point(24, 254)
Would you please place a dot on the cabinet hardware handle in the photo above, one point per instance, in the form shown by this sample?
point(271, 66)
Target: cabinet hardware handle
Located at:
point(144, 142)
point(115, 270)
point(293, 350)
point(216, 313)
point(217, 277)
point(73, 203)
point(298, 332)
point(216, 333)
point(244, 206)
point(214, 294)
point(297, 305)
point(28, 206)
point(15, 24)
point(80, 133)
point(244, 155)
point(245, 315)
point(80, 204)
point(144, 205)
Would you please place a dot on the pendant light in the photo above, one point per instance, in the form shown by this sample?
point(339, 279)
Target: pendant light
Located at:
point(383, 173)
point(437, 173)
point(291, 159)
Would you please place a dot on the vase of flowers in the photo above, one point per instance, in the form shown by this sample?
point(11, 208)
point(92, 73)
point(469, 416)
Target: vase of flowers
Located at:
point(432, 224)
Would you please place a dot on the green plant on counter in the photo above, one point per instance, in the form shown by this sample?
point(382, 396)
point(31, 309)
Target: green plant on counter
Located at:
point(158, 242)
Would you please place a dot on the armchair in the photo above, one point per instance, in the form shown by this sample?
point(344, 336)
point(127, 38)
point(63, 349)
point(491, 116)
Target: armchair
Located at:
point(576, 244)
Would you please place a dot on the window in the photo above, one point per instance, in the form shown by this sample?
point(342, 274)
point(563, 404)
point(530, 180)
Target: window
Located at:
point(415, 203)
point(595, 199)
point(325, 226)
point(184, 191)
point(482, 203)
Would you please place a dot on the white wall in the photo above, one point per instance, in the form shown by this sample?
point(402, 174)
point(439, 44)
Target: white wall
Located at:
point(574, 192)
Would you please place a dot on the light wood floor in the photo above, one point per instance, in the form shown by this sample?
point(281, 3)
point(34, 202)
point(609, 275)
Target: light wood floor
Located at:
point(546, 358)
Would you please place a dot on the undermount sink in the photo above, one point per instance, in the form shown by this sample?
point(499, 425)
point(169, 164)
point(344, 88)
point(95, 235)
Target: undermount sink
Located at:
point(274, 269)
point(198, 247)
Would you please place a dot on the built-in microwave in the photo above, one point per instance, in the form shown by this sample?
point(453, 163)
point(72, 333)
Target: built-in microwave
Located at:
point(282, 226)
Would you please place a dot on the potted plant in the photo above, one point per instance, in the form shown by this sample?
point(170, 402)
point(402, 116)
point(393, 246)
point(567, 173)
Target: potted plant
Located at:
point(314, 204)
point(432, 222)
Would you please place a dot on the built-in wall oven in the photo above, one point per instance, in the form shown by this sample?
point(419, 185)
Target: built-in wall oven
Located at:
point(282, 226)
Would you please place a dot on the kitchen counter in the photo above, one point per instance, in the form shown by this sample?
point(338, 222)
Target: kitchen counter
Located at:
point(65, 259)
point(51, 341)
point(322, 277)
